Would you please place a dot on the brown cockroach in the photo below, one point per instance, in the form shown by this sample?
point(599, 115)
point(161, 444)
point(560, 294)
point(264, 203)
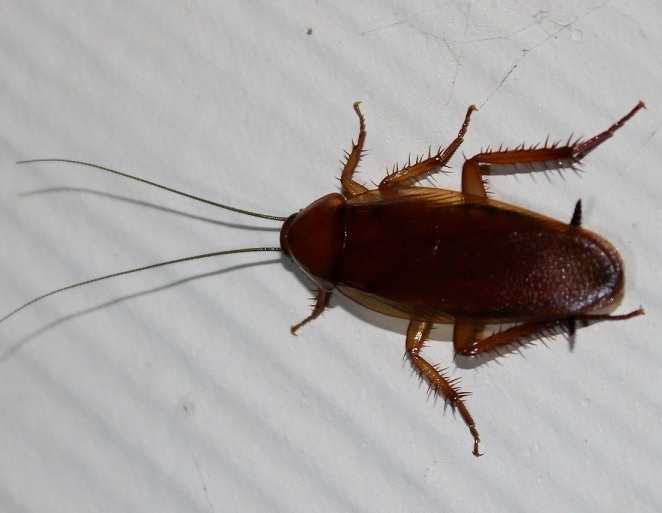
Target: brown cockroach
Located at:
point(431, 255)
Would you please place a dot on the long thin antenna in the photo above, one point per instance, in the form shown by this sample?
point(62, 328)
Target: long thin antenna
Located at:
point(109, 170)
point(161, 264)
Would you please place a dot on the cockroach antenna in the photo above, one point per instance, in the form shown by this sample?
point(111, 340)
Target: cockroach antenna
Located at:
point(152, 266)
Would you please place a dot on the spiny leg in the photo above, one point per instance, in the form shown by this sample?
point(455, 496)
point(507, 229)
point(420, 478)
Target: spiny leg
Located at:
point(352, 188)
point(583, 148)
point(465, 346)
point(422, 166)
point(417, 333)
point(472, 180)
point(321, 302)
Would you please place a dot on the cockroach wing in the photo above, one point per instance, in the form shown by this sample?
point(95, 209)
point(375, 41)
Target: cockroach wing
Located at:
point(438, 255)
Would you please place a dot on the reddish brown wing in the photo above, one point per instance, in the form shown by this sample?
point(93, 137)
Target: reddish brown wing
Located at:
point(439, 255)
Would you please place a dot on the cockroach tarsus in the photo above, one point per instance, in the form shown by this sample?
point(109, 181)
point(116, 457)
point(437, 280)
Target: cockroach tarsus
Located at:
point(436, 256)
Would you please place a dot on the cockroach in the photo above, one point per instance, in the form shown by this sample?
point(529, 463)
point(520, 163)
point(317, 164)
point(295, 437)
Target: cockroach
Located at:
point(436, 256)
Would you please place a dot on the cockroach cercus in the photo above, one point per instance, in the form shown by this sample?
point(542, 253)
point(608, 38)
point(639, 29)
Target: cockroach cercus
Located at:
point(431, 255)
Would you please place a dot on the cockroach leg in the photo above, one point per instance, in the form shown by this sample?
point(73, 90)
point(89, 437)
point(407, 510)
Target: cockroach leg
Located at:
point(423, 166)
point(586, 319)
point(528, 330)
point(476, 346)
point(417, 333)
point(472, 181)
point(464, 335)
point(352, 188)
point(476, 166)
point(321, 301)
point(583, 148)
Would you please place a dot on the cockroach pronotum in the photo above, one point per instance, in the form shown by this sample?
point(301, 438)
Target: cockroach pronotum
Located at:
point(432, 255)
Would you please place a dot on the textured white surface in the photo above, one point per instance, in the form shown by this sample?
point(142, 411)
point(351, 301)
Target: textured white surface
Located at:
point(181, 389)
